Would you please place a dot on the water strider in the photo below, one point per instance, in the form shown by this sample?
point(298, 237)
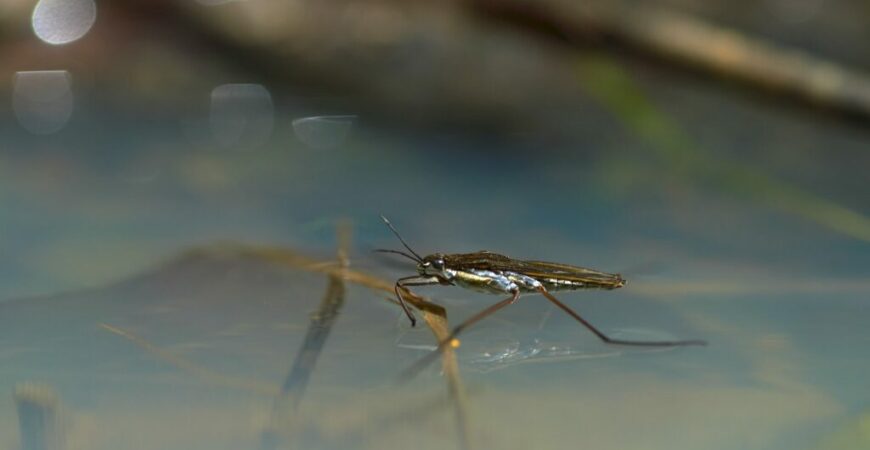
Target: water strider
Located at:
point(493, 273)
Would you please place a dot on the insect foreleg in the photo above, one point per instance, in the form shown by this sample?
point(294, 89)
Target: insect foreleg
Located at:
point(413, 280)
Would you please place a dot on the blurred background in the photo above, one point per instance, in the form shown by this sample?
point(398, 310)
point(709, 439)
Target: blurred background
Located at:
point(715, 153)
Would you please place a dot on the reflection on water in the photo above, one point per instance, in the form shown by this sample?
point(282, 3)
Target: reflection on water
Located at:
point(485, 353)
point(494, 356)
point(40, 424)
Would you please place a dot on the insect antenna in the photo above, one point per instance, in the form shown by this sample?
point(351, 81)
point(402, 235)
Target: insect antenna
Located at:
point(386, 250)
point(419, 258)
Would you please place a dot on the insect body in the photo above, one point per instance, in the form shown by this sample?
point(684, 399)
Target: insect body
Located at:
point(498, 274)
point(493, 273)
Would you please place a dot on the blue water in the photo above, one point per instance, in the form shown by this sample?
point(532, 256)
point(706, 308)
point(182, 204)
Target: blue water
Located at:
point(97, 219)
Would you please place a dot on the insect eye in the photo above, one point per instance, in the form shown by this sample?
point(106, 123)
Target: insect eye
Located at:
point(438, 264)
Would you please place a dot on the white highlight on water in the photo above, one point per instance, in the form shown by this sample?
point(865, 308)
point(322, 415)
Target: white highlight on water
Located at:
point(323, 132)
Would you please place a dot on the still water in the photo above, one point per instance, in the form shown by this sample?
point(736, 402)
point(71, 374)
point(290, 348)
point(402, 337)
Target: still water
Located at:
point(132, 315)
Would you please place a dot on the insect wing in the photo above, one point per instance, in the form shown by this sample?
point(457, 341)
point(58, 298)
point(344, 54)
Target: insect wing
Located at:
point(482, 260)
point(542, 269)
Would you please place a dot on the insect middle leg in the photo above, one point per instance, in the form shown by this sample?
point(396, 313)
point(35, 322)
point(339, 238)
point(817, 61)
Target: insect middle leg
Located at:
point(428, 359)
point(413, 280)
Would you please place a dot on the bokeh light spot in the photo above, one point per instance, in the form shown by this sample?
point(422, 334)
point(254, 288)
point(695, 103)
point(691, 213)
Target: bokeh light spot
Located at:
point(241, 115)
point(63, 21)
point(214, 2)
point(42, 100)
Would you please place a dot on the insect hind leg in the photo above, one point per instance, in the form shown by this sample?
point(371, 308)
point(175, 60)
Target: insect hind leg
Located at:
point(607, 339)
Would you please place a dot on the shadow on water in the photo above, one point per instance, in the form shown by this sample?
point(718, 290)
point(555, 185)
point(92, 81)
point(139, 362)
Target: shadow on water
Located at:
point(160, 304)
